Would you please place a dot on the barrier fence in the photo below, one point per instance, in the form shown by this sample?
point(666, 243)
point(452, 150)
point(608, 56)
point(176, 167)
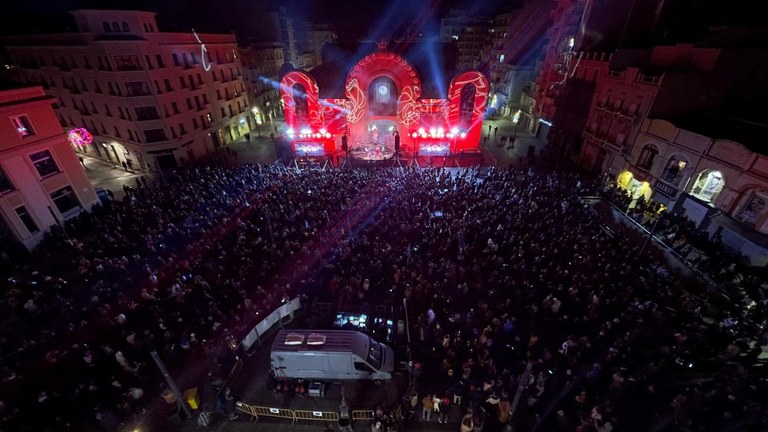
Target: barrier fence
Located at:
point(316, 415)
point(293, 415)
point(362, 415)
point(259, 411)
point(276, 317)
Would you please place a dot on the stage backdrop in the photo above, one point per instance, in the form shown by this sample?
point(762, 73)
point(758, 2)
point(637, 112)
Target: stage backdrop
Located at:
point(382, 98)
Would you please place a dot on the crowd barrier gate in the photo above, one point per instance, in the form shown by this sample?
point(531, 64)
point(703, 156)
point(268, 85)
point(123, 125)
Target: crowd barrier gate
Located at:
point(256, 411)
point(316, 415)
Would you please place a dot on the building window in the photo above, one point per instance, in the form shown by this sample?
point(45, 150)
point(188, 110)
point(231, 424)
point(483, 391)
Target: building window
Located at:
point(189, 104)
point(168, 86)
point(674, 170)
point(155, 135)
point(182, 129)
point(175, 59)
point(127, 63)
point(44, 163)
point(755, 209)
point(159, 60)
point(115, 27)
point(23, 126)
point(125, 27)
point(647, 156)
point(209, 118)
point(106, 26)
point(27, 220)
point(147, 113)
point(175, 107)
point(5, 182)
point(708, 185)
point(194, 123)
point(65, 199)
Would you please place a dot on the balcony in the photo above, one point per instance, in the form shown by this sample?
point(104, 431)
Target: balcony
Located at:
point(648, 79)
point(616, 74)
point(127, 68)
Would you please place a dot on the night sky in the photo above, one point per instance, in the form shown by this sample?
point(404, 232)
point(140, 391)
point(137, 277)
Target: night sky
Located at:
point(350, 17)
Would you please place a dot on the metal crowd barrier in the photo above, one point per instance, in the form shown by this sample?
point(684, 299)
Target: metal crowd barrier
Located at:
point(362, 415)
point(256, 411)
point(316, 415)
point(294, 415)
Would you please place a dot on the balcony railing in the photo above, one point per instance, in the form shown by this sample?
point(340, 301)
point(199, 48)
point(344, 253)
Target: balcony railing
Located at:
point(648, 79)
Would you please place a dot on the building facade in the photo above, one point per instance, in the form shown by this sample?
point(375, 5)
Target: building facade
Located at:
point(561, 37)
point(261, 72)
point(150, 99)
point(720, 184)
point(674, 124)
point(472, 36)
point(42, 182)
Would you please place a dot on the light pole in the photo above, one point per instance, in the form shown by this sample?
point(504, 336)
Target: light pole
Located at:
point(257, 117)
point(516, 120)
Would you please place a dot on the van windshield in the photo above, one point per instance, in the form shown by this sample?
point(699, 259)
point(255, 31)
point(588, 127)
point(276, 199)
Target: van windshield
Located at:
point(374, 354)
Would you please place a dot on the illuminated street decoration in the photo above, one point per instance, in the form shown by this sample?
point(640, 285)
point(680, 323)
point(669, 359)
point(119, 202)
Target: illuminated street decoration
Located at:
point(289, 95)
point(354, 116)
point(203, 52)
point(80, 137)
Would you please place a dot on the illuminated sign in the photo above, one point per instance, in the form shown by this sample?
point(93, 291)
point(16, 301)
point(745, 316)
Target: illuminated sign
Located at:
point(434, 148)
point(309, 149)
point(80, 137)
point(203, 52)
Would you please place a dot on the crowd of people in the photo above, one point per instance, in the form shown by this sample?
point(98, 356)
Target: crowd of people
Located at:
point(513, 288)
point(516, 287)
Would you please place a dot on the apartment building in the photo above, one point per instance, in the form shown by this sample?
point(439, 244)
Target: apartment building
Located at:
point(261, 72)
point(42, 182)
point(472, 36)
point(512, 54)
point(677, 125)
point(150, 99)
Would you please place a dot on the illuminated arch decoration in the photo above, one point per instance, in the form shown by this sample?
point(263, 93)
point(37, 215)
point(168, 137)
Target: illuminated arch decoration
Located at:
point(394, 67)
point(288, 96)
point(80, 137)
point(415, 118)
point(480, 82)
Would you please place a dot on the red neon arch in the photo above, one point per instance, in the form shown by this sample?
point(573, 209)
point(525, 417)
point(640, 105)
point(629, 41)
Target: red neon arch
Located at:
point(312, 94)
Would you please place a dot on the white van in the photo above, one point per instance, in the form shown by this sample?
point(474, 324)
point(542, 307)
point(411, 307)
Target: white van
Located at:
point(330, 355)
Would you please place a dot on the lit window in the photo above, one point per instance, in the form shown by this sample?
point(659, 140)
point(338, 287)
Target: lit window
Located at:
point(23, 126)
point(708, 185)
point(501, 57)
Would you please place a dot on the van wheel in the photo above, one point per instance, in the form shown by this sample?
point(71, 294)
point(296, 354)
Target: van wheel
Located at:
point(378, 382)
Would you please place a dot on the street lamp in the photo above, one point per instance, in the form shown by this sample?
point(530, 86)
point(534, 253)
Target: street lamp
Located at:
point(516, 120)
point(257, 117)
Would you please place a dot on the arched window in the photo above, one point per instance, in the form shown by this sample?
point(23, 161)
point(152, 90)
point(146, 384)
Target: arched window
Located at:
point(125, 27)
point(466, 106)
point(754, 210)
point(647, 156)
point(302, 108)
point(115, 27)
point(708, 185)
point(382, 97)
point(106, 26)
point(674, 170)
